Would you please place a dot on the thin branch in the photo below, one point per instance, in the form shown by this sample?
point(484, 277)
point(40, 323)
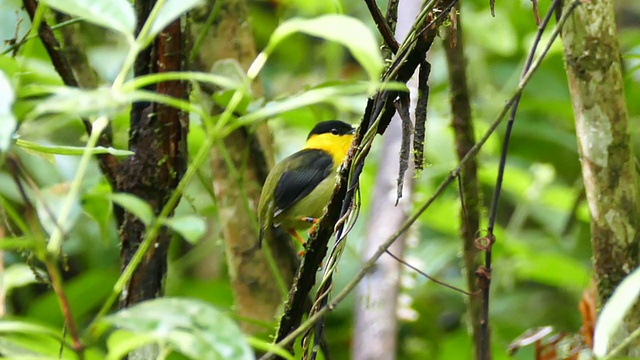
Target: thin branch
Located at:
point(383, 27)
point(439, 282)
point(56, 283)
point(52, 46)
point(48, 259)
point(503, 158)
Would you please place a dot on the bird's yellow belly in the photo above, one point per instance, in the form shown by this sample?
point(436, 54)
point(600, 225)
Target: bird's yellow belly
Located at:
point(311, 206)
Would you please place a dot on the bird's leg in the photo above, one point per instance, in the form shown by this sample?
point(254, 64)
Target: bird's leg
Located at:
point(312, 221)
point(295, 235)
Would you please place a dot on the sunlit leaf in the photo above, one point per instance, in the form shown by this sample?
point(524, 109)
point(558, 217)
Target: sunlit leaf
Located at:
point(82, 103)
point(191, 327)
point(613, 312)
point(117, 15)
point(190, 227)
point(345, 30)
point(8, 121)
point(134, 205)
point(267, 346)
point(122, 342)
point(16, 326)
point(313, 96)
point(16, 276)
point(170, 10)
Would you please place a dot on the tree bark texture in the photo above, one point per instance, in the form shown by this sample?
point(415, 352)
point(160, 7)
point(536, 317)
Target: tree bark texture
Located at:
point(157, 136)
point(377, 293)
point(465, 139)
point(238, 179)
point(592, 60)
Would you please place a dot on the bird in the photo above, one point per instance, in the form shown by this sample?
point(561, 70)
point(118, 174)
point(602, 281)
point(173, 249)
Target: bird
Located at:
point(299, 187)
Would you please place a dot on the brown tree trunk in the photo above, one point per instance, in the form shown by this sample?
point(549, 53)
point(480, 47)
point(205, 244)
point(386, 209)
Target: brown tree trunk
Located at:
point(157, 135)
point(240, 164)
point(464, 137)
point(610, 174)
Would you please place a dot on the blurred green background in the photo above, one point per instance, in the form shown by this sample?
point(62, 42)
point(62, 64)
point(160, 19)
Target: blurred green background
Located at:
point(542, 254)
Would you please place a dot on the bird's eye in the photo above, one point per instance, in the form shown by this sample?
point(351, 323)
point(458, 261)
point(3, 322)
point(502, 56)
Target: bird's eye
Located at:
point(335, 131)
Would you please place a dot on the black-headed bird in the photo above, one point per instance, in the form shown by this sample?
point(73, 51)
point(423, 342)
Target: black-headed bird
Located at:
point(299, 187)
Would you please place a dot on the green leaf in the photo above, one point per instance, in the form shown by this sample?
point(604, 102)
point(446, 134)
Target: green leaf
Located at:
point(8, 122)
point(315, 96)
point(222, 80)
point(81, 103)
point(267, 346)
point(23, 327)
point(70, 150)
point(117, 15)
point(122, 342)
point(16, 276)
point(191, 327)
point(134, 205)
point(170, 10)
point(190, 227)
point(613, 312)
point(345, 30)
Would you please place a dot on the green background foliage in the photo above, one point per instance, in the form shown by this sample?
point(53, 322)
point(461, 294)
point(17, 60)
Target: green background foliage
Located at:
point(542, 253)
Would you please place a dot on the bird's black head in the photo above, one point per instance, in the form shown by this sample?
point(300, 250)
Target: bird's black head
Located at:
point(335, 127)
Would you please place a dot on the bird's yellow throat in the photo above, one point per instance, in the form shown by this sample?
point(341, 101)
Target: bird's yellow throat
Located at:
point(336, 145)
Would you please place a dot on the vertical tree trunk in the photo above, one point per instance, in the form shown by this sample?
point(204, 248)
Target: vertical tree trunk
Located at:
point(377, 294)
point(465, 140)
point(158, 137)
point(610, 174)
point(258, 289)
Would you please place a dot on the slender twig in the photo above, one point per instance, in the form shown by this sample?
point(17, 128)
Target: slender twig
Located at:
point(439, 282)
point(503, 158)
point(52, 46)
point(49, 261)
point(382, 25)
point(18, 44)
point(56, 283)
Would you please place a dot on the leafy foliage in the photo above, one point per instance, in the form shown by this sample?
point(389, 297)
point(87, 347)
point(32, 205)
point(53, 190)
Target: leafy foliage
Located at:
point(542, 257)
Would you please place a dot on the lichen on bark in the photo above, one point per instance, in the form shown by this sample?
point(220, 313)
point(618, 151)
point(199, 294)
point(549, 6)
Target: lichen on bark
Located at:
point(592, 60)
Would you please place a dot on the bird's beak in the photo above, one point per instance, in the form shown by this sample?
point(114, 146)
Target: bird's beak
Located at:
point(353, 131)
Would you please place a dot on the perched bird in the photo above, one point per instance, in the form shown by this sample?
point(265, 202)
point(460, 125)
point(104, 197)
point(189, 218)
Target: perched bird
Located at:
point(299, 187)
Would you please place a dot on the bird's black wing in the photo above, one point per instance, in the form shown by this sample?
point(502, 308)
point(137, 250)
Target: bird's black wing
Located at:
point(309, 167)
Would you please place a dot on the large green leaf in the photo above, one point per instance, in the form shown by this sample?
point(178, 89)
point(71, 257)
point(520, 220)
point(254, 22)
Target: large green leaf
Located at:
point(170, 10)
point(191, 327)
point(134, 205)
point(190, 227)
point(345, 30)
point(117, 15)
point(81, 103)
point(613, 312)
